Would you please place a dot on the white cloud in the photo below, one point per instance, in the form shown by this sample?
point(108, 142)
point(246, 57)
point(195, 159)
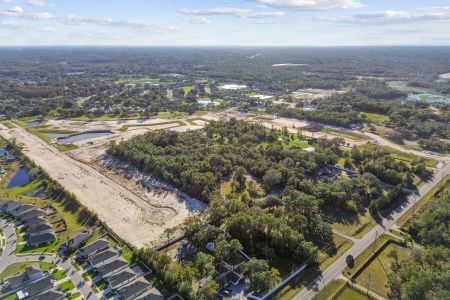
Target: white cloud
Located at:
point(395, 16)
point(6, 1)
point(16, 10)
point(231, 11)
point(36, 2)
point(202, 20)
point(312, 4)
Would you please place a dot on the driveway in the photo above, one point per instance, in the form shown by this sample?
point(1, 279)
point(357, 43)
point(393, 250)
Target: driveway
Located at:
point(9, 258)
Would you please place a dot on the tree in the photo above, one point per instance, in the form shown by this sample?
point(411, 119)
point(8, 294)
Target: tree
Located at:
point(272, 178)
point(260, 276)
point(208, 291)
point(239, 179)
point(204, 263)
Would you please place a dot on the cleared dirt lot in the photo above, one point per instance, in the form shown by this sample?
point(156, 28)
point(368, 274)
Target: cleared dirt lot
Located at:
point(140, 218)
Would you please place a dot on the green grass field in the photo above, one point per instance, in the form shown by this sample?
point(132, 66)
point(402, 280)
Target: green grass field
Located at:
point(125, 128)
point(187, 89)
point(378, 270)
point(345, 134)
point(67, 286)
point(376, 118)
point(59, 274)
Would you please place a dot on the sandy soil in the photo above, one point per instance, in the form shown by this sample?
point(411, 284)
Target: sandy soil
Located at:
point(445, 76)
point(139, 218)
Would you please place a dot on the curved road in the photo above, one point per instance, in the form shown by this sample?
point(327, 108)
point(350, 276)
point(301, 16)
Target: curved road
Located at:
point(8, 257)
point(334, 271)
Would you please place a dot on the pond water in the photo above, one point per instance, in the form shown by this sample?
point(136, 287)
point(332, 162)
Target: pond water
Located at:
point(33, 123)
point(429, 98)
point(4, 152)
point(207, 102)
point(70, 139)
point(21, 177)
point(55, 135)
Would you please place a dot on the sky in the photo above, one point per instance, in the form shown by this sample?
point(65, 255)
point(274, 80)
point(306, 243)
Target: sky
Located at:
point(225, 22)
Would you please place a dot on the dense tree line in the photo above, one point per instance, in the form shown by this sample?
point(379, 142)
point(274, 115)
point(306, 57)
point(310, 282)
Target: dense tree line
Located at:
point(426, 275)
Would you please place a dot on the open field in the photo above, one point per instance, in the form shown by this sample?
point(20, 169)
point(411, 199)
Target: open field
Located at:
point(375, 275)
point(376, 118)
point(20, 267)
point(137, 220)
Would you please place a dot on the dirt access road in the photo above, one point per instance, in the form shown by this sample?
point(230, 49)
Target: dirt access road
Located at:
point(134, 219)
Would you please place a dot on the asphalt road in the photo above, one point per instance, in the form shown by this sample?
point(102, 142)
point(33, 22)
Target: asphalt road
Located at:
point(334, 270)
point(8, 257)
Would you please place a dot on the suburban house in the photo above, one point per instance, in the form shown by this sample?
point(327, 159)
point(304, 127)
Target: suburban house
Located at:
point(133, 290)
point(39, 229)
point(35, 213)
point(9, 206)
point(44, 238)
point(113, 267)
point(78, 240)
point(103, 258)
point(122, 278)
point(50, 295)
point(22, 209)
point(35, 221)
point(35, 288)
point(94, 248)
point(151, 294)
point(31, 274)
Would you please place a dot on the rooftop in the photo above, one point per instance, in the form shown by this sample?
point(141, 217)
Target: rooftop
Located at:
point(36, 288)
point(112, 266)
point(41, 238)
point(123, 276)
point(39, 228)
point(94, 247)
point(136, 287)
point(102, 256)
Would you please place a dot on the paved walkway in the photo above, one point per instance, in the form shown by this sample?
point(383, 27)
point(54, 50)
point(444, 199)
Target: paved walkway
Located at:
point(8, 258)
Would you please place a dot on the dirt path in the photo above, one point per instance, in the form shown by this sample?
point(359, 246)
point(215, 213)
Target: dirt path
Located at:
point(131, 217)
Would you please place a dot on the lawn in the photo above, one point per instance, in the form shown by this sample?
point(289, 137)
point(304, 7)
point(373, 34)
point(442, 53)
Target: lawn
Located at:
point(345, 134)
point(377, 271)
point(187, 89)
point(74, 296)
point(20, 267)
point(348, 293)
point(351, 224)
point(330, 290)
point(67, 286)
point(376, 118)
point(59, 274)
point(67, 147)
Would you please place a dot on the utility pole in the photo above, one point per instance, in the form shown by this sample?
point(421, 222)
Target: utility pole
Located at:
point(369, 277)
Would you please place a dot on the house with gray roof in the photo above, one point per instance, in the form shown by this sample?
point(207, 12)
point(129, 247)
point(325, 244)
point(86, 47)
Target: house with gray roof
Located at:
point(9, 206)
point(134, 289)
point(35, 221)
point(94, 248)
point(122, 278)
point(32, 273)
point(103, 257)
point(50, 295)
point(22, 209)
point(78, 240)
point(39, 229)
point(113, 267)
point(151, 294)
point(38, 239)
point(35, 213)
point(33, 289)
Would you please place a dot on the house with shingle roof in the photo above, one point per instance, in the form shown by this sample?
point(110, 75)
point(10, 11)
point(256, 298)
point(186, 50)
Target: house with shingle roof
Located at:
point(94, 248)
point(103, 257)
point(113, 267)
